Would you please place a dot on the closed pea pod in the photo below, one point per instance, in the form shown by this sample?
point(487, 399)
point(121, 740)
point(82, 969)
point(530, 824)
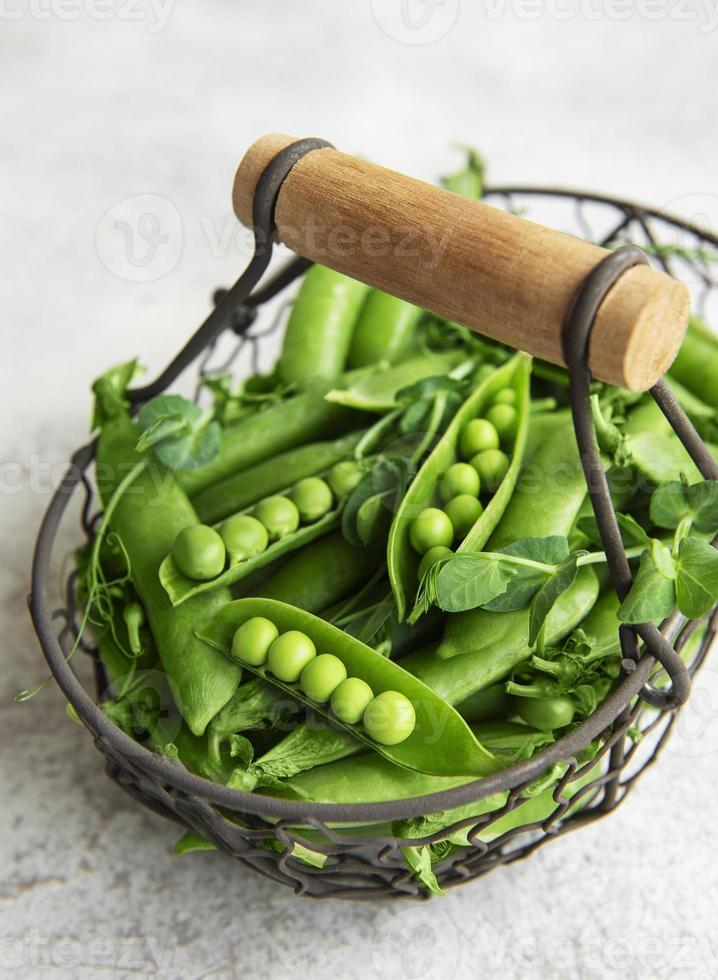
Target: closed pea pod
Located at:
point(271, 476)
point(384, 329)
point(320, 574)
point(147, 522)
point(273, 430)
point(440, 741)
point(320, 327)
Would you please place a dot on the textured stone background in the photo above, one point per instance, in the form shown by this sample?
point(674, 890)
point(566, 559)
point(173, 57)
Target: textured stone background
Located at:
point(162, 101)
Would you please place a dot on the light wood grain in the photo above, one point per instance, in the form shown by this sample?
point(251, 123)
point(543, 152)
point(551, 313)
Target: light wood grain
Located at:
point(506, 277)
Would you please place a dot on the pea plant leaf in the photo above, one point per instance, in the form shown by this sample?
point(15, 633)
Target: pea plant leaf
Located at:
point(469, 181)
point(468, 581)
point(696, 577)
point(653, 593)
point(420, 399)
point(110, 392)
point(631, 531)
point(368, 512)
point(548, 593)
point(179, 433)
point(677, 503)
point(551, 551)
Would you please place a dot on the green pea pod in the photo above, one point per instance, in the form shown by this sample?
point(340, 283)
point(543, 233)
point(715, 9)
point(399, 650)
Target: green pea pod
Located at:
point(697, 363)
point(384, 330)
point(370, 778)
point(180, 588)
point(488, 704)
point(492, 644)
point(402, 560)
point(304, 418)
point(320, 327)
point(441, 742)
point(653, 449)
point(147, 520)
point(270, 476)
point(376, 390)
point(321, 574)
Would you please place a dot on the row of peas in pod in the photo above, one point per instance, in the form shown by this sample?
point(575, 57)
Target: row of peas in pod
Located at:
point(202, 552)
point(388, 718)
point(483, 445)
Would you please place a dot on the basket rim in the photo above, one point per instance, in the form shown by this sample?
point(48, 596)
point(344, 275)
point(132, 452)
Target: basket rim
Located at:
point(175, 776)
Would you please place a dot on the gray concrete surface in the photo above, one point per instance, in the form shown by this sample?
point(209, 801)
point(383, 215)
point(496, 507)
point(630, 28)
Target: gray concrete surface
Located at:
point(105, 102)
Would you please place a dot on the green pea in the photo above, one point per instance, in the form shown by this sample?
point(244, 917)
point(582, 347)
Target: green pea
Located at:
point(199, 552)
point(279, 515)
point(492, 466)
point(476, 436)
point(390, 718)
point(322, 676)
point(432, 556)
point(252, 640)
point(313, 498)
point(546, 714)
point(459, 479)
point(463, 512)
point(343, 477)
point(505, 396)
point(350, 700)
point(505, 420)
point(431, 529)
point(289, 655)
point(244, 537)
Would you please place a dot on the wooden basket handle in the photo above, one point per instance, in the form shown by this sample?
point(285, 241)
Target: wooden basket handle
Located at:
point(508, 278)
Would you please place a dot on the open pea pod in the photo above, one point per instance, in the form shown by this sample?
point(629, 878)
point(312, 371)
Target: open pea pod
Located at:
point(179, 587)
point(402, 560)
point(441, 744)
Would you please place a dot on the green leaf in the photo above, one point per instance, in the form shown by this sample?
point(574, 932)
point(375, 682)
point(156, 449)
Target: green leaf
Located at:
point(652, 596)
point(419, 861)
point(675, 503)
point(179, 433)
point(552, 550)
point(631, 531)
point(110, 392)
point(468, 581)
point(469, 181)
point(547, 595)
point(696, 577)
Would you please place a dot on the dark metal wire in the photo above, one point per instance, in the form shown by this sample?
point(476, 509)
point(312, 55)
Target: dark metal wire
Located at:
point(242, 824)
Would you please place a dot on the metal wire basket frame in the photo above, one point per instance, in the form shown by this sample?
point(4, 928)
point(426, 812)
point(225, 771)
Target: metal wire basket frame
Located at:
point(357, 866)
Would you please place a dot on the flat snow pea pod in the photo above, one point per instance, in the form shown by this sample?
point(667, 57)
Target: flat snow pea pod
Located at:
point(147, 520)
point(180, 588)
point(376, 390)
point(384, 329)
point(402, 559)
point(320, 327)
point(440, 743)
point(271, 476)
point(697, 363)
point(320, 574)
point(303, 418)
point(492, 644)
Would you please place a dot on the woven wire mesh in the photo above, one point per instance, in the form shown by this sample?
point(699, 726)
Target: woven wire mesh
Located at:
point(368, 861)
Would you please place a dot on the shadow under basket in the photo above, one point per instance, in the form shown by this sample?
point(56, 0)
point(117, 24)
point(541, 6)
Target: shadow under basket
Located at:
point(364, 856)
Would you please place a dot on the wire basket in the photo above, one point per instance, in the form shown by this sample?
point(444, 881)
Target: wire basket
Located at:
point(363, 853)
